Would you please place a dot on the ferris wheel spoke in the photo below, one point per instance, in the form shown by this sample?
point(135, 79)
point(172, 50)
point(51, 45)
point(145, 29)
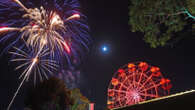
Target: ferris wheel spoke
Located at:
point(134, 101)
point(129, 101)
point(128, 82)
point(131, 86)
point(140, 78)
point(120, 91)
point(120, 99)
point(123, 85)
point(148, 95)
point(154, 86)
point(128, 78)
point(123, 98)
point(131, 83)
point(148, 79)
point(134, 78)
point(141, 99)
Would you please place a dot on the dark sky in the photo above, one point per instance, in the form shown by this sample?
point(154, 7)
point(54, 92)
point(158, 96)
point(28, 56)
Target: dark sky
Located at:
point(108, 20)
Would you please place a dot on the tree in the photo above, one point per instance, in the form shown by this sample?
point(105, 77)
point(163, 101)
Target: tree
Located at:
point(50, 94)
point(80, 101)
point(191, 6)
point(160, 19)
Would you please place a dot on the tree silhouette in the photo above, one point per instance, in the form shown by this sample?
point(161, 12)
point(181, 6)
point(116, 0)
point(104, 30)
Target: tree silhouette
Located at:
point(160, 19)
point(50, 94)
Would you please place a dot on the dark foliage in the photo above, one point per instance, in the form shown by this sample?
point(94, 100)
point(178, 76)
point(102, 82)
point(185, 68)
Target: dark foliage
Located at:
point(49, 94)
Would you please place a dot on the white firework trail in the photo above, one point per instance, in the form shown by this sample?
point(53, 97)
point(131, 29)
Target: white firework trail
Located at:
point(42, 34)
point(36, 62)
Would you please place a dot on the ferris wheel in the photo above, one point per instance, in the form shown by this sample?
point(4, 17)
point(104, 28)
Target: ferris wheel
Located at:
point(136, 82)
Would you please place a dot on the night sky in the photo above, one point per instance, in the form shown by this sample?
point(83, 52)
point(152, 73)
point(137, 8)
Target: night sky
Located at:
point(108, 21)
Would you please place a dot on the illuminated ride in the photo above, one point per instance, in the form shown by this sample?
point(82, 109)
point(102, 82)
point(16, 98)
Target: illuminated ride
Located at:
point(136, 82)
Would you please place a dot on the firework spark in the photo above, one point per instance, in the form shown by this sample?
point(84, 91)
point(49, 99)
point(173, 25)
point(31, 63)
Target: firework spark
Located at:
point(61, 28)
point(43, 30)
point(34, 63)
point(7, 29)
point(45, 33)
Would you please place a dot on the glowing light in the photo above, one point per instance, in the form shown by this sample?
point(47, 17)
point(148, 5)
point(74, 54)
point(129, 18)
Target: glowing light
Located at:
point(136, 86)
point(136, 95)
point(91, 106)
point(122, 74)
point(131, 65)
point(114, 81)
point(38, 35)
point(74, 16)
point(56, 20)
point(35, 60)
point(41, 28)
point(143, 66)
point(67, 48)
point(6, 29)
point(18, 2)
point(109, 102)
point(43, 41)
point(104, 48)
point(38, 66)
point(121, 71)
point(154, 69)
point(44, 34)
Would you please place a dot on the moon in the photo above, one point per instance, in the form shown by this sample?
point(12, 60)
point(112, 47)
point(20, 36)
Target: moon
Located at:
point(104, 49)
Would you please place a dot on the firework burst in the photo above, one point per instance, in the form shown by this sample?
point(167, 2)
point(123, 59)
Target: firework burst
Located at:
point(54, 24)
point(49, 35)
point(34, 63)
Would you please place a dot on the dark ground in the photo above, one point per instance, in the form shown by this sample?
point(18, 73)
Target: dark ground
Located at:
point(180, 102)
